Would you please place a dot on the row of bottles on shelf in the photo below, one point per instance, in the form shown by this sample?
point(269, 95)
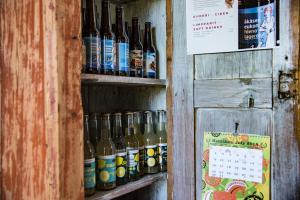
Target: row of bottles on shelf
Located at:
point(120, 158)
point(111, 52)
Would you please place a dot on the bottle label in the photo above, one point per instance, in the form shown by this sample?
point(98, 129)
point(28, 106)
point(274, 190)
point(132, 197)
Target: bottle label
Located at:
point(106, 169)
point(93, 49)
point(151, 156)
point(121, 164)
point(150, 64)
point(133, 162)
point(142, 155)
point(122, 54)
point(162, 153)
point(136, 60)
point(90, 174)
point(107, 56)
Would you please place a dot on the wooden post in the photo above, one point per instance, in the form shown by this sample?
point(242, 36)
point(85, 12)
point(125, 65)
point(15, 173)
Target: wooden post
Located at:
point(41, 115)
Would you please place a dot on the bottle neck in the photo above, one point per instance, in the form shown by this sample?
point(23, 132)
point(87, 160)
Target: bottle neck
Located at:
point(148, 36)
point(90, 18)
point(161, 124)
point(86, 128)
point(137, 122)
point(135, 35)
point(129, 125)
point(105, 18)
point(105, 127)
point(148, 123)
point(117, 129)
point(120, 30)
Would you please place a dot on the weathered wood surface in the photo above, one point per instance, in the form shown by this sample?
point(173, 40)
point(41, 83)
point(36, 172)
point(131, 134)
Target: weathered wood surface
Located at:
point(247, 64)
point(181, 169)
point(41, 115)
point(254, 121)
point(233, 93)
point(131, 187)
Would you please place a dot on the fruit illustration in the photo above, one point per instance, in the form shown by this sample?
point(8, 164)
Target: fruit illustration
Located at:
point(206, 155)
point(120, 172)
point(150, 152)
point(212, 181)
point(104, 176)
point(221, 195)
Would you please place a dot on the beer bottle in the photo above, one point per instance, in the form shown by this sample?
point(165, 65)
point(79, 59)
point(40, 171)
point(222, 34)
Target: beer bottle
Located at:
point(139, 136)
point(106, 157)
point(89, 161)
point(132, 147)
point(91, 39)
point(94, 129)
point(136, 50)
point(162, 141)
point(127, 30)
point(122, 45)
point(107, 41)
point(150, 68)
point(121, 154)
point(150, 145)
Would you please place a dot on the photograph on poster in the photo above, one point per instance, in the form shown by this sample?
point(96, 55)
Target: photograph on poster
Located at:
point(231, 25)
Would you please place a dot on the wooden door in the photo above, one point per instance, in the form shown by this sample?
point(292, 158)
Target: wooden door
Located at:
point(223, 86)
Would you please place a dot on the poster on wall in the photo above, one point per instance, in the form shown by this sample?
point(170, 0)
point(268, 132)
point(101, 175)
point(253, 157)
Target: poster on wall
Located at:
point(231, 25)
point(235, 167)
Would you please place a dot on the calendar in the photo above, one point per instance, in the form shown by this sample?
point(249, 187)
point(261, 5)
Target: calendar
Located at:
point(235, 167)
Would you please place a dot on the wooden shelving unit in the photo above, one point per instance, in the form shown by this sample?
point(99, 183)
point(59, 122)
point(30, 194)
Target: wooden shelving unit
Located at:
point(129, 187)
point(120, 80)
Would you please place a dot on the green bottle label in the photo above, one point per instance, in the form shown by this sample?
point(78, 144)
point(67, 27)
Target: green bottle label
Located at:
point(142, 155)
point(151, 156)
point(90, 174)
point(133, 162)
point(106, 169)
point(121, 163)
point(162, 153)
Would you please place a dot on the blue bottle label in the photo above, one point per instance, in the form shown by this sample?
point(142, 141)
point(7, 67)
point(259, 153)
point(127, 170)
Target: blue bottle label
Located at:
point(106, 169)
point(93, 49)
point(133, 161)
point(150, 64)
point(90, 174)
point(122, 57)
point(107, 55)
point(163, 153)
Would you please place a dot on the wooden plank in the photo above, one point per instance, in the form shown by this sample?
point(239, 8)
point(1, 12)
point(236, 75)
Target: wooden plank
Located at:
point(233, 93)
point(121, 80)
point(247, 64)
point(286, 150)
point(181, 183)
point(254, 121)
point(129, 187)
point(41, 113)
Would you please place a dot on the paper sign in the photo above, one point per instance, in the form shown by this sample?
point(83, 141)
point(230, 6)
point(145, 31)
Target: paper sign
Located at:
point(235, 167)
point(231, 25)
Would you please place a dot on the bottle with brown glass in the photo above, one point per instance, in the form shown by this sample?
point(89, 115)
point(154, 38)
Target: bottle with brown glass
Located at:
point(136, 50)
point(89, 161)
point(91, 38)
point(122, 44)
point(106, 157)
point(107, 41)
point(121, 154)
point(150, 66)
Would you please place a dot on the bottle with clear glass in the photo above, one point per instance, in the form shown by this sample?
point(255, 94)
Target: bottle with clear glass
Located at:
point(161, 140)
point(139, 136)
point(150, 146)
point(121, 154)
point(106, 157)
point(132, 147)
point(94, 128)
point(89, 161)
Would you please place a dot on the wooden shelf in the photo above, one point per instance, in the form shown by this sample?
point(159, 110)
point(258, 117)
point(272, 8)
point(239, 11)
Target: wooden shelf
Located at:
point(121, 80)
point(129, 187)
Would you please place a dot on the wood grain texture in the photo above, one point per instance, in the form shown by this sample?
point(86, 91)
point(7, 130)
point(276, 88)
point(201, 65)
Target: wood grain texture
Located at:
point(41, 115)
point(247, 64)
point(181, 167)
point(233, 93)
point(254, 121)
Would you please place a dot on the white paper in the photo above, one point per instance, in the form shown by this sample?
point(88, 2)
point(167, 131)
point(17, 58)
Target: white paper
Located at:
point(236, 163)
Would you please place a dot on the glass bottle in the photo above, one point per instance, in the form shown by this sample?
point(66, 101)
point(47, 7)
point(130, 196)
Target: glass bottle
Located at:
point(89, 161)
point(94, 129)
point(162, 141)
point(150, 67)
point(139, 136)
point(136, 50)
point(107, 41)
point(132, 147)
point(121, 154)
point(91, 38)
point(150, 145)
point(106, 157)
point(122, 44)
